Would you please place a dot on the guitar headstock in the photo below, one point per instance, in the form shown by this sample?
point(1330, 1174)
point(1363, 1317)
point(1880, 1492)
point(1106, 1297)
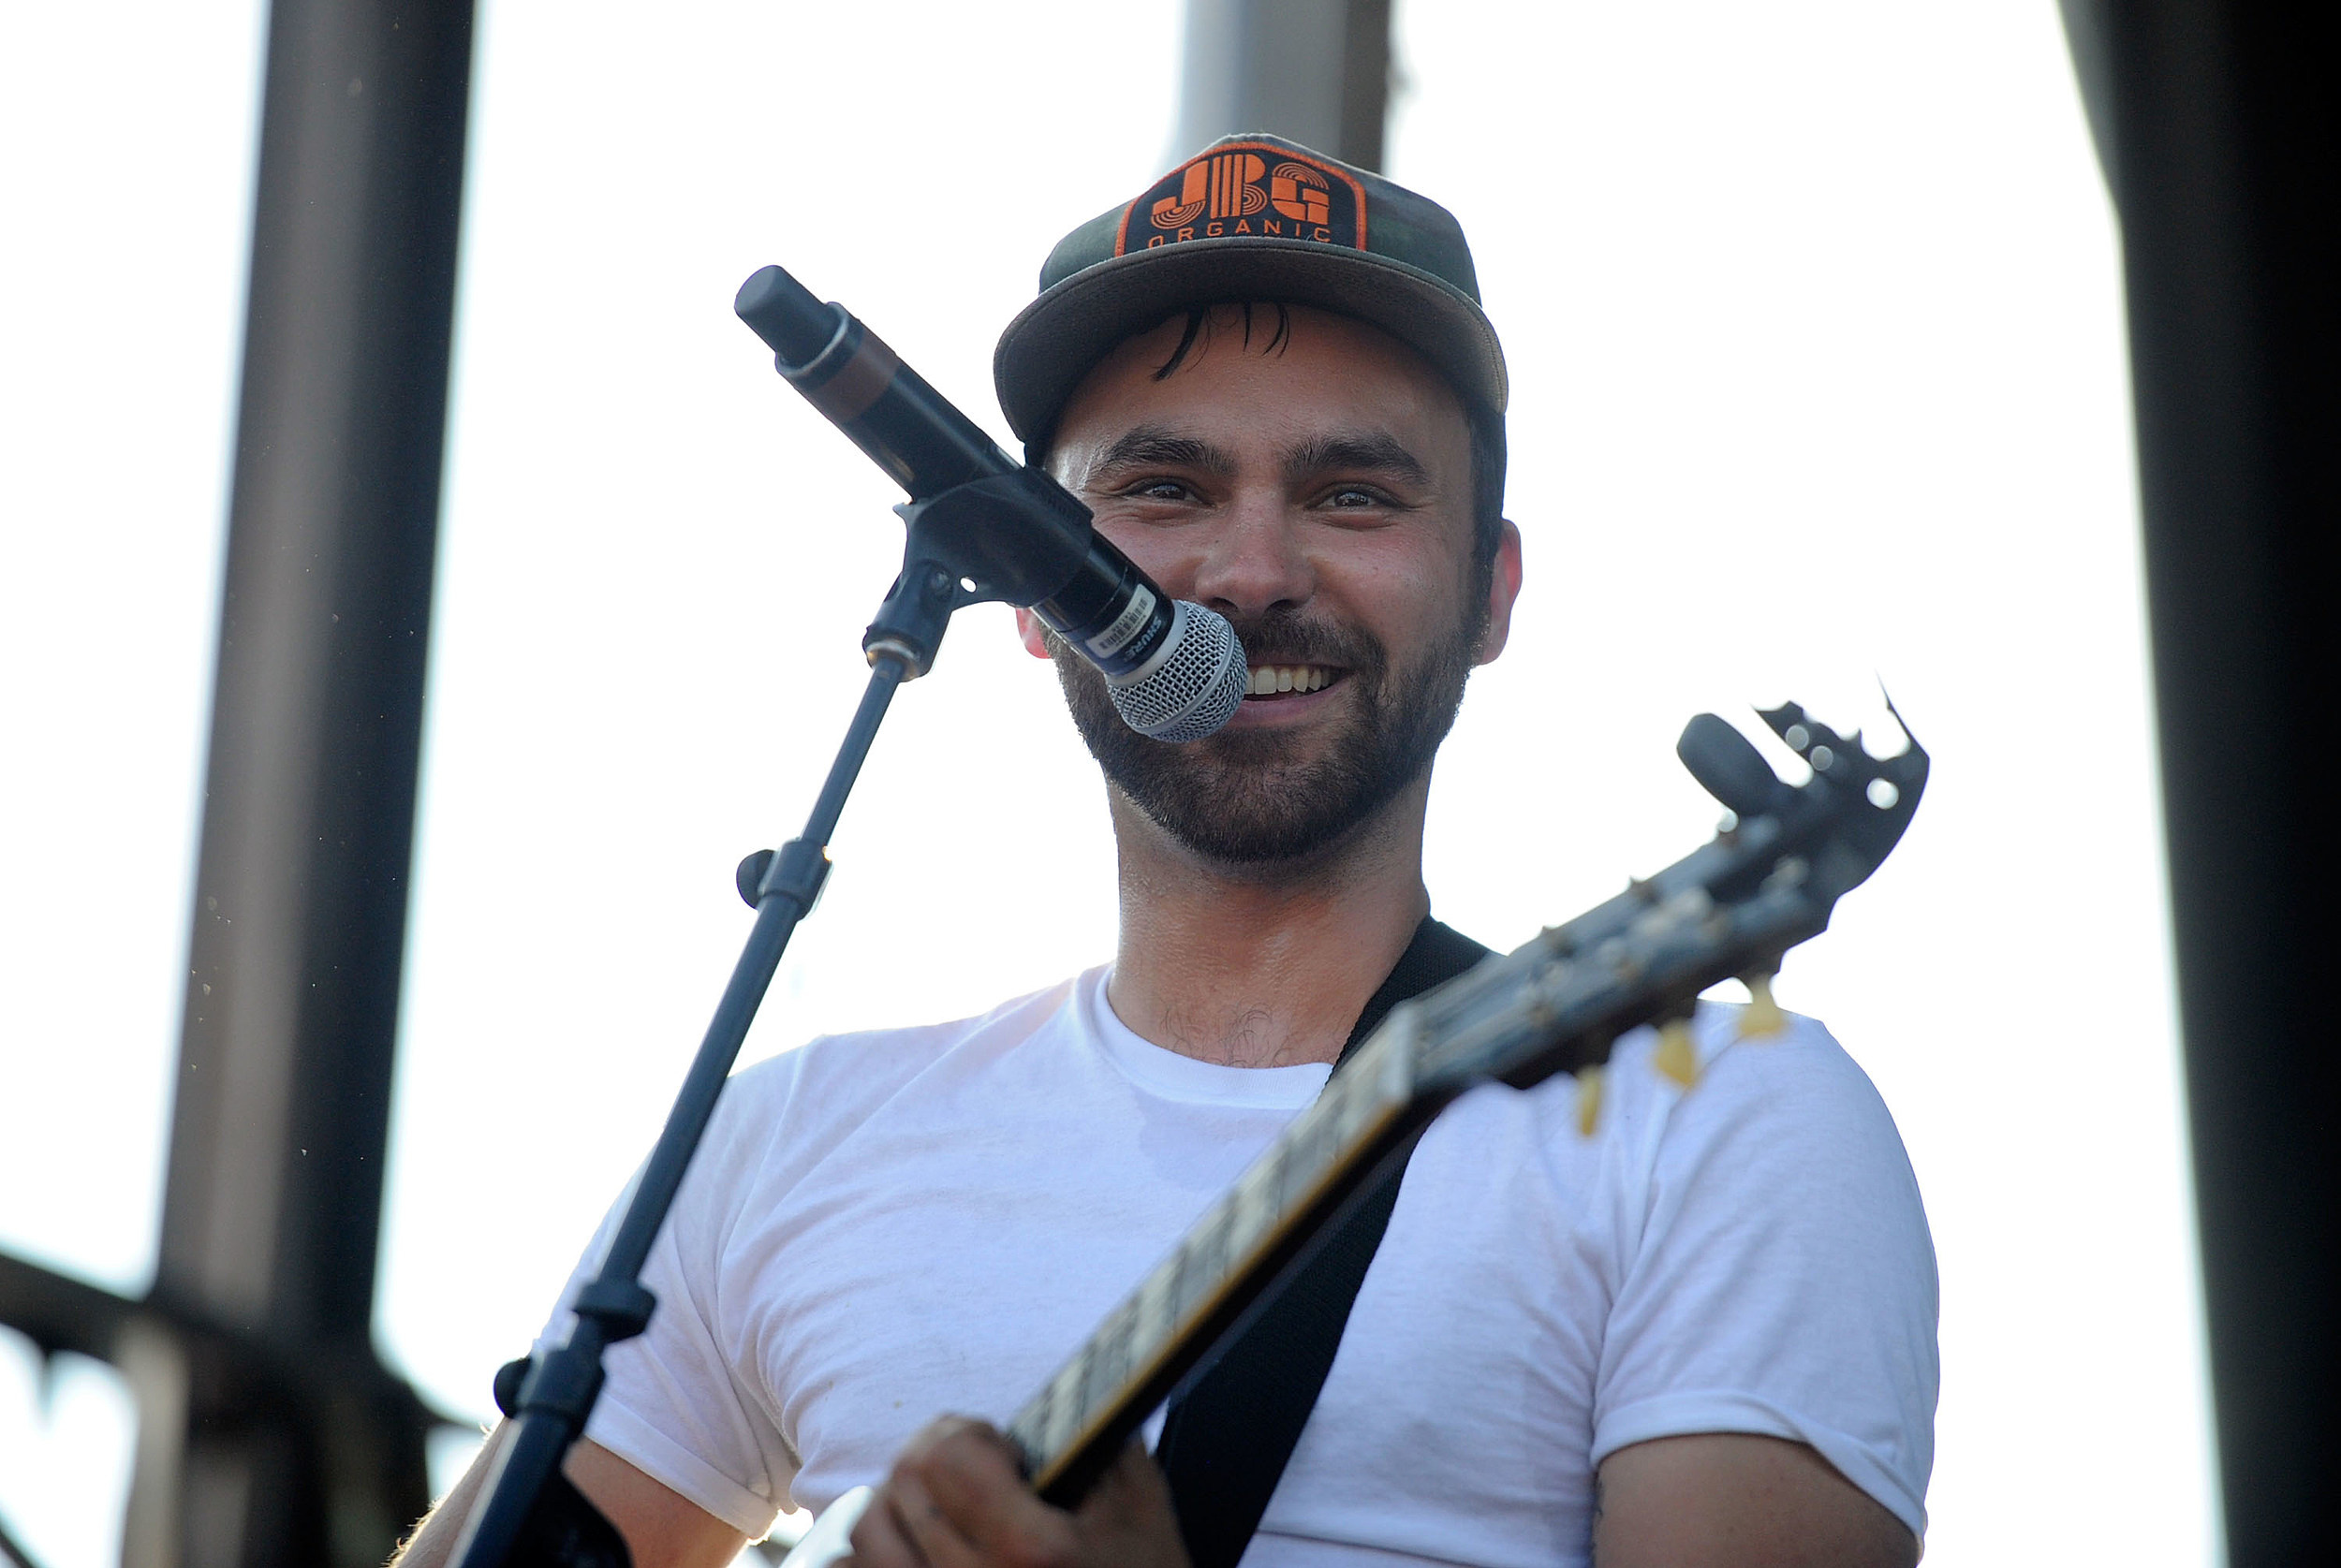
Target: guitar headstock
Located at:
point(1767, 880)
point(1889, 786)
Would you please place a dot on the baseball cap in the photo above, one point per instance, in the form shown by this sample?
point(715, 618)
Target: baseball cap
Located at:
point(1251, 218)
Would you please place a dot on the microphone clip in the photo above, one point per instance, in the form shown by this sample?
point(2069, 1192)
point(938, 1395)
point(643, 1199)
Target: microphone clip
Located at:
point(1016, 538)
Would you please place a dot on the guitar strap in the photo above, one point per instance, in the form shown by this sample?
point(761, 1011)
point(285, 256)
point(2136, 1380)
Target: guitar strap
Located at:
point(1225, 1439)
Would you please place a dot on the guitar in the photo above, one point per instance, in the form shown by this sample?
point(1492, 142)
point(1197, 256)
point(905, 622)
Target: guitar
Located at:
point(1767, 881)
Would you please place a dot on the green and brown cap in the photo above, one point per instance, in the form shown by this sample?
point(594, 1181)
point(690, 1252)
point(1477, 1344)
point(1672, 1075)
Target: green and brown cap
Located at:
point(1260, 218)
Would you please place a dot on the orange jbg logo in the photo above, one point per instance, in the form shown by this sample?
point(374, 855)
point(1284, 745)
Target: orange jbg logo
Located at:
point(1226, 189)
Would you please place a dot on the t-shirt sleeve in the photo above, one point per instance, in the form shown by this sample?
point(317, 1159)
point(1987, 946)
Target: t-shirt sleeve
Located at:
point(678, 1404)
point(1775, 1275)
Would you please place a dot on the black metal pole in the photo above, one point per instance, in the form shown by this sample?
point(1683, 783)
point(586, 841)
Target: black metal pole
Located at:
point(12, 1554)
point(272, 1211)
point(561, 1387)
point(2217, 123)
point(1315, 70)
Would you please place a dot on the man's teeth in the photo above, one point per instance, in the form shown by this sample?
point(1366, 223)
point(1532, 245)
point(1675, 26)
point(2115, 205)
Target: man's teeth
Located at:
point(1268, 680)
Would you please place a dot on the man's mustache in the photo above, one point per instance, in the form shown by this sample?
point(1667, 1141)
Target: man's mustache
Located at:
point(1292, 637)
point(1275, 637)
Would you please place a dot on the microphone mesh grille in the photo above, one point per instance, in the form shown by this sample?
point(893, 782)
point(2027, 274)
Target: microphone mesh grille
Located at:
point(1196, 687)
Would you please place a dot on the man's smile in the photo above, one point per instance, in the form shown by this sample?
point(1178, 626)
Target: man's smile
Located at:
point(1271, 680)
point(1283, 694)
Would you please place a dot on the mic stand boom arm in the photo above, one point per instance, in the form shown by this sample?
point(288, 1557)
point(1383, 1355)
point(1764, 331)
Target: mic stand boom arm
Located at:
point(527, 1516)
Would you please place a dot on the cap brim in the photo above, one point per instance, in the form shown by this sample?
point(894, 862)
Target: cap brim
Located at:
point(1054, 341)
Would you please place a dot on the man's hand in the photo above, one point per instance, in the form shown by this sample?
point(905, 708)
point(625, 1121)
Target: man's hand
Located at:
point(955, 1500)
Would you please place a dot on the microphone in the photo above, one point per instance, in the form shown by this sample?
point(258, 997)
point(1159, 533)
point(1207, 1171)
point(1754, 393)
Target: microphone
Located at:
point(1174, 670)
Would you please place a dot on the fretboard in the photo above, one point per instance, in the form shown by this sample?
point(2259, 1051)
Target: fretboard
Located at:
point(1129, 1363)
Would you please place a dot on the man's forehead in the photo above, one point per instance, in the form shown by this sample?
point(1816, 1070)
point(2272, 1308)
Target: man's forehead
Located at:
point(1268, 331)
point(1312, 372)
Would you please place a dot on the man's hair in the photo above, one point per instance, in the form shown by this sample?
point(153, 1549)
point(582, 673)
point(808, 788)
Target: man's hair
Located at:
point(1488, 454)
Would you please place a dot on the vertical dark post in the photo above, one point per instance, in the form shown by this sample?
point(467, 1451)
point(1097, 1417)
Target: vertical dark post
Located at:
point(1364, 82)
point(273, 1210)
point(1315, 70)
point(2217, 122)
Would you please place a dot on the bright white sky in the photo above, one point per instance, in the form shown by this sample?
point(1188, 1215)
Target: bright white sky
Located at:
point(1814, 318)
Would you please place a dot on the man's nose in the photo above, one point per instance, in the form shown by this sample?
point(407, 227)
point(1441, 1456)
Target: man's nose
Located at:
point(1255, 562)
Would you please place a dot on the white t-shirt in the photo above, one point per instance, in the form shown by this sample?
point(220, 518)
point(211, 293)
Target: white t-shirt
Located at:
point(885, 1228)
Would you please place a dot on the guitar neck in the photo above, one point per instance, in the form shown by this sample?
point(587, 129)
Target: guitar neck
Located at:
point(1547, 1007)
point(1075, 1426)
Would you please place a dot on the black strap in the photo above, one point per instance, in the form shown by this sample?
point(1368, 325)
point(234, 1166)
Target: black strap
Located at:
point(1227, 1439)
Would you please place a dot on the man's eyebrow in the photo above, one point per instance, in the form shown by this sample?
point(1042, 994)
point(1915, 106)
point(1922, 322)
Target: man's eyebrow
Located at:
point(1365, 452)
point(1152, 446)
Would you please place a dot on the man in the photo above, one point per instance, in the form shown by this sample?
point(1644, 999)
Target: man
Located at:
point(1702, 1334)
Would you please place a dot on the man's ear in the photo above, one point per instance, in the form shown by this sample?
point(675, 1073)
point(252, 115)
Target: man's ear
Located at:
point(1503, 588)
point(1028, 631)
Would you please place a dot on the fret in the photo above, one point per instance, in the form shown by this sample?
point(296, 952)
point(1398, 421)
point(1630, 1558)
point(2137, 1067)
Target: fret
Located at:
point(1048, 1418)
point(1209, 1254)
point(1028, 1430)
point(1067, 1415)
point(1107, 1361)
point(1179, 1294)
point(1157, 1304)
point(1256, 1212)
point(1272, 1172)
point(1310, 1148)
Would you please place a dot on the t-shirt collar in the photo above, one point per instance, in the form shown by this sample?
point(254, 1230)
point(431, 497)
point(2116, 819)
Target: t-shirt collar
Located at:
point(1183, 1077)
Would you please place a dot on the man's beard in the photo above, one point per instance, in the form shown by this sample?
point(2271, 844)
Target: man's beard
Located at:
point(1243, 797)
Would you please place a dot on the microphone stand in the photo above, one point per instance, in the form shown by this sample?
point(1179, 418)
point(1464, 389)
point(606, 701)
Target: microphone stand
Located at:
point(530, 1517)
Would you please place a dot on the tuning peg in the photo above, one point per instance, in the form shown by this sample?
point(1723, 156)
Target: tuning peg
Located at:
point(1588, 1100)
point(1677, 1058)
point(1731, 769)
point(1762, 1015)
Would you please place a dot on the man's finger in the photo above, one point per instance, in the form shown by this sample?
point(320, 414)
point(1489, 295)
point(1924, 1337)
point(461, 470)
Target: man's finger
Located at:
point(1127, 1518)
point(1132, 1489)
point(970, 1472)
point(935, 1534)
point(878, 1538)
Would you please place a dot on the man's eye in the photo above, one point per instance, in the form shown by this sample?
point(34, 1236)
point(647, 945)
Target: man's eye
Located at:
point(1350, 496)
point(1160, 490)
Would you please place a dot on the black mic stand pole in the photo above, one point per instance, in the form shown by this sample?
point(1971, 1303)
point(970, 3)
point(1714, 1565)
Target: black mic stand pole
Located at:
point(529, 1515)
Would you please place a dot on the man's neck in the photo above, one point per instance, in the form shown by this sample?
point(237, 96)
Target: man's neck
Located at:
point(1264, 967)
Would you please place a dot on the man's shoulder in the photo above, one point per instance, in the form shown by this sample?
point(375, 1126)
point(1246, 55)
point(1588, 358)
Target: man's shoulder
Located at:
point(783, 1116)
point(1786, 1106)
point(1730, 1048)
point(1790, 1081)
